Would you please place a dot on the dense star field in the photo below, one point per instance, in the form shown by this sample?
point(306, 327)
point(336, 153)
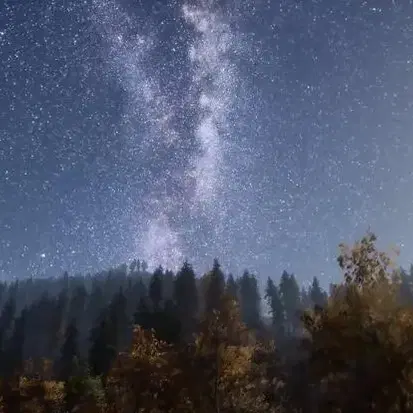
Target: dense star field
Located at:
point(259, 132)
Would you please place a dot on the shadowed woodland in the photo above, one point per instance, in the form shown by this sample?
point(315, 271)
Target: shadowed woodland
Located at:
point(126, 340)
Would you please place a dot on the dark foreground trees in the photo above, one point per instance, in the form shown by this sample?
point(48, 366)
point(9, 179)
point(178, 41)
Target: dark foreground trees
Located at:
point(175, 343)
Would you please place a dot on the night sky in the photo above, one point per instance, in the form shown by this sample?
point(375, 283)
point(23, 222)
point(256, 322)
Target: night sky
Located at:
point(263, 133)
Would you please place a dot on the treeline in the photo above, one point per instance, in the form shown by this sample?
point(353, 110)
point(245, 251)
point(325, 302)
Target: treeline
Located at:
point(127, 340)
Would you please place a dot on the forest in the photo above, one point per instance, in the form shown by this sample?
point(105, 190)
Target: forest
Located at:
point(129, 340)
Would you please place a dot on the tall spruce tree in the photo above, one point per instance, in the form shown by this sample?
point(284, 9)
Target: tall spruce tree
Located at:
point(156, 287)
point(119, 321)
point(69, 353)
point(15, 346)
point(318, 296)
point(290, 296)
point(185, 295)
point(103, 346)
point(249, 300)
point(276, 308)
point(231, 287)
point(215, 287)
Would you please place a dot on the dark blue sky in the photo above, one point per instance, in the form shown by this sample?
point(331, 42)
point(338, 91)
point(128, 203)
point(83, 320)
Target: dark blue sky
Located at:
point(260, 132)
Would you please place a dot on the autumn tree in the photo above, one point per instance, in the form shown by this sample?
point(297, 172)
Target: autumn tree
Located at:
point(362, 339)
point(142, 379)
point(225, 378)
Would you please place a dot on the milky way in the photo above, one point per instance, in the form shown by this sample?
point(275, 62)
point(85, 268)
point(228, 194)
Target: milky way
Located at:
point(190, 189)
point(261, 133)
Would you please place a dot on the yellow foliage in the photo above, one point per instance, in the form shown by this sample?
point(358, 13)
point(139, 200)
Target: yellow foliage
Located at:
point(142, 378)
point(362, 339)
point(225, 376)
point(37, 395)
point(54, 392)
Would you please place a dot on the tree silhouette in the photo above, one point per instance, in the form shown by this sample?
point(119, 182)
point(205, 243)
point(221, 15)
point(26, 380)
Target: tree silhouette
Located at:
point(276, 308)
point(155, 288)
point(215, 287)
point(250, 300)
point(103, 349)
point(317, 295)
point(290, 295)
point(231, 287)
point(69, 352)
point(186, 298)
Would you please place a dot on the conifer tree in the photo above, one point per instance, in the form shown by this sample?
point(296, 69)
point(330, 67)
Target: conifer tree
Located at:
point(168, 285)
point(186, 298)
point(103, 349)
point(118, 321)
point(143, 314)
point(318, 297)
point(249, 300)
point(231, 287)
point(69, 353)
point(155, 288)
point(215, 287)
point(276, 308)
point(14, 347)
point(290, 296)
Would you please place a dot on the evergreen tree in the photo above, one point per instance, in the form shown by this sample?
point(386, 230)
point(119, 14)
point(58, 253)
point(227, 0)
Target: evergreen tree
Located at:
point(186, 298)
point(276, 308)
point(231, 287)
point(15, 346)
point(249, 300)
point(96, 301)
point(3, 289)
point(6, 322)
point(305, 299)
point(102, 350)
point(134, 294)
point(77, 305)
point(318, 297)
point(69, 352)
point(59, 313)
point(7, 315)
point(290, 296)
point(155, 288)
point(168, 285)
point(119, 321)
point(143, 314)
point(215, 288)
point(167, 323)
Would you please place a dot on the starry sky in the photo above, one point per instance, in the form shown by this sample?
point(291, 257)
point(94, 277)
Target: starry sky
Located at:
point(260, 132)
